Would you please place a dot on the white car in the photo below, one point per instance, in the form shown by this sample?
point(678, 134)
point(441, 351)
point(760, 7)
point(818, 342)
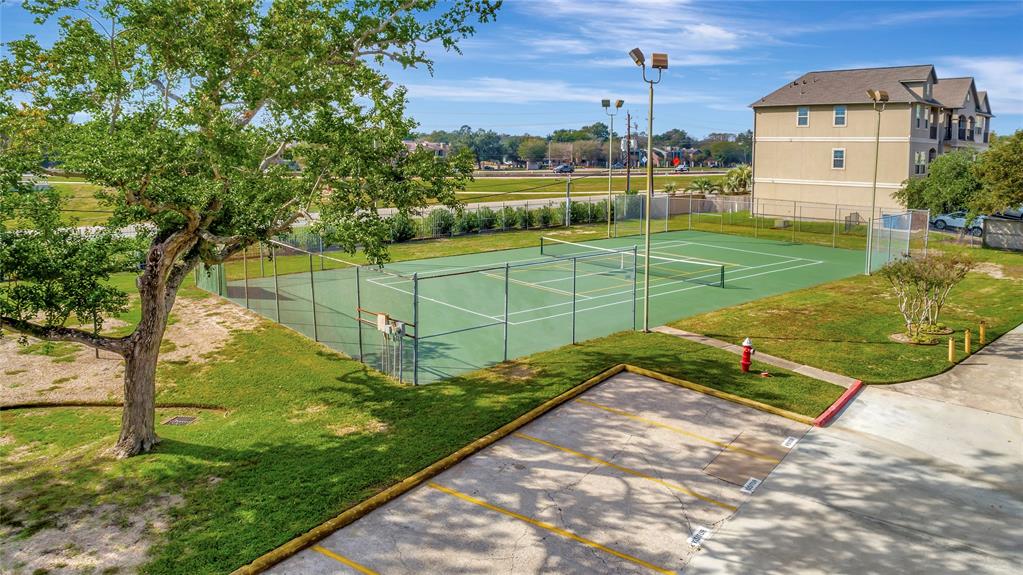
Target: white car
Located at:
point(957, 220)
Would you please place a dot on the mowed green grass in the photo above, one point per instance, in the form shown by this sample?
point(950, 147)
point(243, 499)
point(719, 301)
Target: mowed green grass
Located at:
point(307, 434)
point(843, 326)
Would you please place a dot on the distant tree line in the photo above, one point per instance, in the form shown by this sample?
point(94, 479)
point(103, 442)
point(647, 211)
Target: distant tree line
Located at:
point(588, 145)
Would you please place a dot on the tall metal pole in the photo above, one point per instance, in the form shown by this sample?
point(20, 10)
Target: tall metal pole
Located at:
point(610, 156)
point(312, 294)
point(507, 273)
point(277, 290)
point(628, 153)
point(415, 323)
point(649, 202)
point(873, 195)
point(568, 201)
point(574, 277)
point(358, 313)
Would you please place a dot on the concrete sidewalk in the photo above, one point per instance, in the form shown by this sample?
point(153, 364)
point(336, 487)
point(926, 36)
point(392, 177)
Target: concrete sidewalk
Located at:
point(809, 371)
point(921, 477)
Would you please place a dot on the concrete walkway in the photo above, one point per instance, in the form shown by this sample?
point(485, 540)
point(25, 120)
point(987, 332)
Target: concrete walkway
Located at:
point(830, 377)
point(920, 477)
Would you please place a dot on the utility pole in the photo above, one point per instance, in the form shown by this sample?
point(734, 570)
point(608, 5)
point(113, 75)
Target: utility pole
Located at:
point(628, 153)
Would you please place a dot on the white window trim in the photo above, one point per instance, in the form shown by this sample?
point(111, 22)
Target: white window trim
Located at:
point(833, 150)
point(845, 116)
point(807, 125)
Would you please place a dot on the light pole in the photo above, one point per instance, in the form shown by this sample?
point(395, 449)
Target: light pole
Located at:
point(658, 62)
point(610, 152)
point(877, 97)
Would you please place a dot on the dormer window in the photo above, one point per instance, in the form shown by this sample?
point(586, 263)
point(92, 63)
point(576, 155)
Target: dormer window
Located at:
point(802, 116)
point(839, 116)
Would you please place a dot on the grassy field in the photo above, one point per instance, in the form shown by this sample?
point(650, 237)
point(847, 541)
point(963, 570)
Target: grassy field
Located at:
point(844, 326)
point(294, 451)
point(497, 189)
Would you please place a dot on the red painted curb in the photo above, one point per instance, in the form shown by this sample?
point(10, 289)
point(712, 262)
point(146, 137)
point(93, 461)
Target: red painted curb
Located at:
point(842, 400)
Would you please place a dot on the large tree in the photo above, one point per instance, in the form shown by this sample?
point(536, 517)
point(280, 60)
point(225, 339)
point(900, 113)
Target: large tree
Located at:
point(951, 184)
point(1000, 170)
point(183, 112)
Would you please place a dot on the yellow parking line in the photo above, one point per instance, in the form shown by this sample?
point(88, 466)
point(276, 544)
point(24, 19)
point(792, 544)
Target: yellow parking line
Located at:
point(630, 471)
point(679, 430)
point(551, 528)
point(342, 559)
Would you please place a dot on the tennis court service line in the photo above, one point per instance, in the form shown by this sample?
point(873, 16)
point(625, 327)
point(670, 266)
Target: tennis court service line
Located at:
point(548, 527)
point(652, 286)
point(499, 319)
point(628, 470)
point(678, 430)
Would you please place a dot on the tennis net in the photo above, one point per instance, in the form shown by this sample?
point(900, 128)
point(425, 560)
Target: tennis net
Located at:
point(699, 272)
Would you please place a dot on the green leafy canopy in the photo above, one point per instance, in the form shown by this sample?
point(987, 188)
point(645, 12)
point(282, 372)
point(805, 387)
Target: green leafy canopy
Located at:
point(212, 125)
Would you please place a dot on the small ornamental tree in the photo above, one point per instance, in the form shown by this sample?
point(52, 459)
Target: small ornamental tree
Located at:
point(909, 282)
point(192, 117)
point(922, 286)
point(944, 271)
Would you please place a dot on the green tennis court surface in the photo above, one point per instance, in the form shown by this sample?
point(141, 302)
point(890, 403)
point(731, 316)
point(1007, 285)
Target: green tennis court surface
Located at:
point(465, 312)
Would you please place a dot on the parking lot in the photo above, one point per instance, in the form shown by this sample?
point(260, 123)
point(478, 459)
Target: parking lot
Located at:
point(628, 477)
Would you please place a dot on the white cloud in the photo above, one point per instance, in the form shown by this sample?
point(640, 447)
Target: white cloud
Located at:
point(1001, 76)
point(708, 36)
point(562, 45)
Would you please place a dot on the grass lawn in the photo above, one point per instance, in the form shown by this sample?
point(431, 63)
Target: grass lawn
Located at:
point(844, 326)
point(294, 451)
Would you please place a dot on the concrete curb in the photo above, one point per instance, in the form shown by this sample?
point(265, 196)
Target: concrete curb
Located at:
point(359, 510)
point(840, 403)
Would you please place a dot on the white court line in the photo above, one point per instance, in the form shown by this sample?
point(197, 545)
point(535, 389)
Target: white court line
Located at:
point(444, 303)
point(653, 296)
point(535, 285)
point(685, 281)
point(753, 252)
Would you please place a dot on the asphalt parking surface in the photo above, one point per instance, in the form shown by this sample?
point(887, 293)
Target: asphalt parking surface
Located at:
point(617, 480)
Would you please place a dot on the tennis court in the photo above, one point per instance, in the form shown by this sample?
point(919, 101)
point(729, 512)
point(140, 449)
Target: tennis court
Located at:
point(450, 315)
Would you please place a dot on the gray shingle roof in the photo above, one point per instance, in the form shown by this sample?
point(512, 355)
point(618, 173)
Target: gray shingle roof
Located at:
point(984, 104)
point(951, 92)
point(848, 86)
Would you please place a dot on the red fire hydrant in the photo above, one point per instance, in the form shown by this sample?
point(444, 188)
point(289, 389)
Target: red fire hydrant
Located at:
point(747, 354)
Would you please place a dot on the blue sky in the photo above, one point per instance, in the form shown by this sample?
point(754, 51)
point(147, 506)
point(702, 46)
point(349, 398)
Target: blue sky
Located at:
point(546, 64)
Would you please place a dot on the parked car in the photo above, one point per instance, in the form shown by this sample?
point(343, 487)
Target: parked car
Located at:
point(957, 220)
point(564, 169)
point(681, 168)
point(1014, 213)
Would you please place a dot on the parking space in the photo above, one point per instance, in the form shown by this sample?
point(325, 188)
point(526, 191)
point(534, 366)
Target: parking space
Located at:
point(619, 479)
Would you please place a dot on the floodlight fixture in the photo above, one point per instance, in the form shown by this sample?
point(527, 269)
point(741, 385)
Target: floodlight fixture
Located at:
point(637, 56)
point(878, 96)
point(605, 103)
point(619, 103)
point(660, 61)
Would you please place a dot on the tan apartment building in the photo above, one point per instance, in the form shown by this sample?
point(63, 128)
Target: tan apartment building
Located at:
point(814, 138)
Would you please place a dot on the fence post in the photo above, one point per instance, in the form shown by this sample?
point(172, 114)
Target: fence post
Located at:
point(834, 228)
point(262, 274)
point(756, 222)
point(415, 322)
point(574, 262)
point(320, 238)
point(635, 280)
point(277, 291)
point(358, 313)
point(794, 220)
point(312, 294)
point(689, 225)
point(245, 272)
point(507, 273)
point(889, 245)
point(927, 229)
point(667, 211)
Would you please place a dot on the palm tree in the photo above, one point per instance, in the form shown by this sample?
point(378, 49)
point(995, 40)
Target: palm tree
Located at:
point(670, 188)
point(703, 186)
point(739, 179)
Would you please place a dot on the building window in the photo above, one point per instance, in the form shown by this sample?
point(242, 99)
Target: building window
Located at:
point(839, 115)
point(838, 158)
point(919, 113)
point(920, 163)
point(802, 116)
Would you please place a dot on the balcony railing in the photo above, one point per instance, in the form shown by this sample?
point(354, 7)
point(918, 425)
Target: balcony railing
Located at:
point(934, 132)
point(962, 133)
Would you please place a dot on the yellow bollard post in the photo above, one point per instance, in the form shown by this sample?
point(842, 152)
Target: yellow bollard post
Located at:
point(951, 350)
point(966, 342)
point(983, 339)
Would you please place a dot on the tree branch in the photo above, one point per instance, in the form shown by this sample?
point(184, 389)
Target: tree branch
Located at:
point(166, 92)
point(117, 345)
point(273, 157)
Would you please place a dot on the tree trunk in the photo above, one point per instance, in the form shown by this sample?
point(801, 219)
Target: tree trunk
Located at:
point(138, 426)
